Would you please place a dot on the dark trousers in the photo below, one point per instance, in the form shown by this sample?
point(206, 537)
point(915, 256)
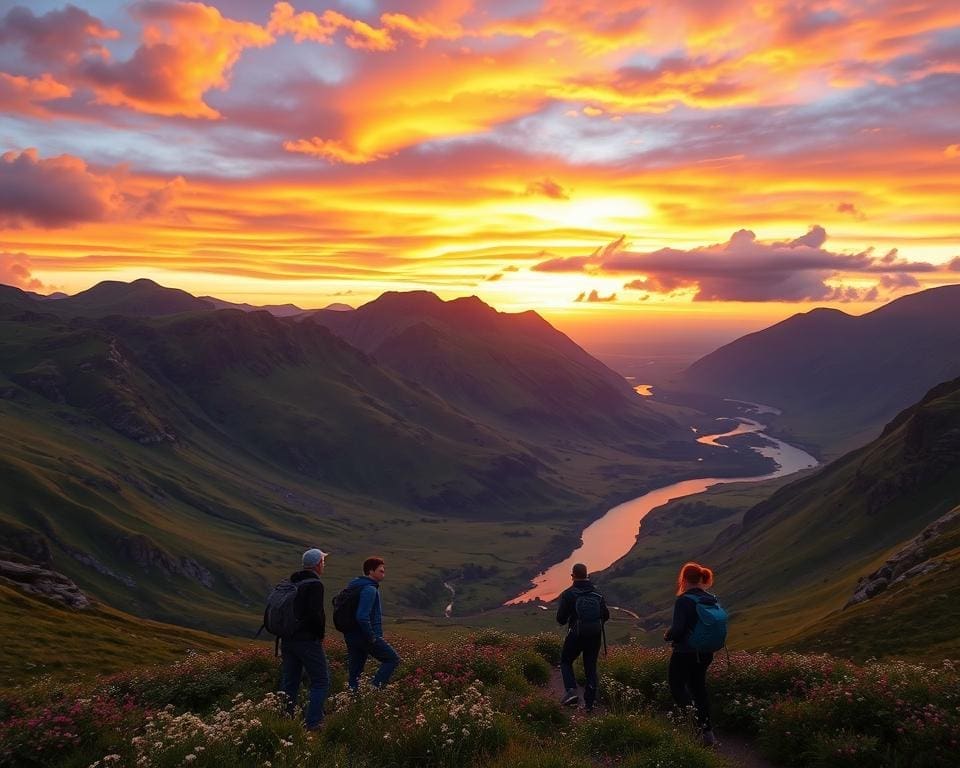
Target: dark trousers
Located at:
point(357, 652)
point(297, 656)
point(687, 676)
point(573, 646)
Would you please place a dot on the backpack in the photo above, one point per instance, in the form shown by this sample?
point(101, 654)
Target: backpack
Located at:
point(279, 617)
point(345, 608)
point(589, 608)
point(710, 632)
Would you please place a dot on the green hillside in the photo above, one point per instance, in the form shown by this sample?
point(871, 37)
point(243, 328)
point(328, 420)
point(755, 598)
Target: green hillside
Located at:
point(42, 637)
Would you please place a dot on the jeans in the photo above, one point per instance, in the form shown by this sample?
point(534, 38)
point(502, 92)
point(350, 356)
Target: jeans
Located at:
point(573, 646)
point(298, 655)
point(357, 652)
point(687, 675)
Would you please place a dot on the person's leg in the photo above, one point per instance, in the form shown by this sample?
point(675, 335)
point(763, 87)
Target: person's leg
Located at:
point(591, 651)
point(698, 687)
point(389, 661)
point(356, 659)
point(315, 662)
point(290, 670)
point(678, 674)
point(571, 649)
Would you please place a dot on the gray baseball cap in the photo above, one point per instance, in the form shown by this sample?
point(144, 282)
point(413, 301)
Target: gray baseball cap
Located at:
point(313, 557)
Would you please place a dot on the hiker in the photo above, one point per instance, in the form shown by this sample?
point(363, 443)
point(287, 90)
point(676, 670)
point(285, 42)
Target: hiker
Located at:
point(699, 628)
point(584, 611)
point(303, 649)
point(363, 631)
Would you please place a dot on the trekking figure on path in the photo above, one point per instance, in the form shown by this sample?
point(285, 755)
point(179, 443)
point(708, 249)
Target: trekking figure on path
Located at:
point(359, 615)
point(699, 629)
point(584, 611)
point(295, 615)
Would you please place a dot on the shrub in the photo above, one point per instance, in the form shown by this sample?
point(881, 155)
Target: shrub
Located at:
point(614, 735)
point(542, 715)
point(533, 668)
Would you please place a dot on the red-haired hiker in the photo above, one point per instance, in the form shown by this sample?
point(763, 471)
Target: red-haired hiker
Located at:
point(687, 673)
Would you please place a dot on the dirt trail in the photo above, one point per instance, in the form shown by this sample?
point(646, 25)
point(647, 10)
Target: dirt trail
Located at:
point(738, 751)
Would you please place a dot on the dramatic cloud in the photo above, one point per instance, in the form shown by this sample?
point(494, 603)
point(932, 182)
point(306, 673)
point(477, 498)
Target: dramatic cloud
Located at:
point(63, 191)
point(59, 36)
point(15, 270)
point(321, 29)
point(595, 298)
point(954, 265)
point(188, 49)
point(745, 269)
point(55, 192)
point(23, 95)
point(547, 188)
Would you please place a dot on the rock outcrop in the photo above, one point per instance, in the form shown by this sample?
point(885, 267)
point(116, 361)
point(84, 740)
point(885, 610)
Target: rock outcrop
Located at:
point(914, 559)
point(35, 580)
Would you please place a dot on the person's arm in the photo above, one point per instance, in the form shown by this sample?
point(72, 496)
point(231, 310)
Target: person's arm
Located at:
point(606, 610)
point(563, 610)
point(364, 607)
point(315, 610)
point(678, 629)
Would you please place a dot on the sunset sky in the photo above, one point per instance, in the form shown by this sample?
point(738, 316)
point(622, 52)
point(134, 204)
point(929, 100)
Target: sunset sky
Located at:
point(598, 160)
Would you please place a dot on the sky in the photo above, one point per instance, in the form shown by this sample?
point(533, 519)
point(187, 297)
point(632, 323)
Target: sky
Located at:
point(615, 165)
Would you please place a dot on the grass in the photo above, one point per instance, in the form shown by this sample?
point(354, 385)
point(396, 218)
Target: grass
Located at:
point(42, 638)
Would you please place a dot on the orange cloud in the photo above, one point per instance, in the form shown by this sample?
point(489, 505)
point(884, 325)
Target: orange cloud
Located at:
point(63, 191)
point(332, 150)
point(64, 36)
point(21, 94)
point(16, 270)
point(187, 50)
point(320, 29)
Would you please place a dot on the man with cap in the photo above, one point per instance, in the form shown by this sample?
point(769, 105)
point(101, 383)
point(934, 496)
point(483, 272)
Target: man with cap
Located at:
point(303, 650)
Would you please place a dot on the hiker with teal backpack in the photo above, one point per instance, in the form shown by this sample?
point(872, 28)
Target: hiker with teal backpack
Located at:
point(584, 611)
point(699, 629)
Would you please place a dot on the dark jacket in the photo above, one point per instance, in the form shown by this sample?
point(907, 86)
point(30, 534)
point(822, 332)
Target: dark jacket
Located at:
point(567, 610)
point(369, 611)
point(685, 619)
point(308, 606)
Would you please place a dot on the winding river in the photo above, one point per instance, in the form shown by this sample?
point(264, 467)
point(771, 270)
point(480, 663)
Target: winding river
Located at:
point(608, 539)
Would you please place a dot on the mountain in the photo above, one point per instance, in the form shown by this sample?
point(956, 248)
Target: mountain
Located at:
point(838, 378)
point(278, 310)
point(14, 297)
point(797, 559)
point(514, 370)
point(140, 298)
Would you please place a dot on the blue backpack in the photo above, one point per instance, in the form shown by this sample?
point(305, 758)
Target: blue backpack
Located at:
point(710, 632)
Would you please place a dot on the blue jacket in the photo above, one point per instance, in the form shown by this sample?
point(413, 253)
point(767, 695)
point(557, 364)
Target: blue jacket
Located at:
point(369, 612)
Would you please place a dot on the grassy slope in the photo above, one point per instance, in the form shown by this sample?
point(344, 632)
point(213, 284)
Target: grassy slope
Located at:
point(798, 555)
point(43, 637)
point(916, 618)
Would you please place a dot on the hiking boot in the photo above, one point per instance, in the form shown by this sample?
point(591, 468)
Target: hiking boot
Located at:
point(570, 698)
point(708, 739)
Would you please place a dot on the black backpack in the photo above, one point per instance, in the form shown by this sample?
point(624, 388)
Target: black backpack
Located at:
point(279, 617)
point(345, 608)
point(589, 608)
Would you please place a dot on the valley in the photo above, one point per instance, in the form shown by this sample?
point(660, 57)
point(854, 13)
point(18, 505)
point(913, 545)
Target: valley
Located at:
point(174, 460)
